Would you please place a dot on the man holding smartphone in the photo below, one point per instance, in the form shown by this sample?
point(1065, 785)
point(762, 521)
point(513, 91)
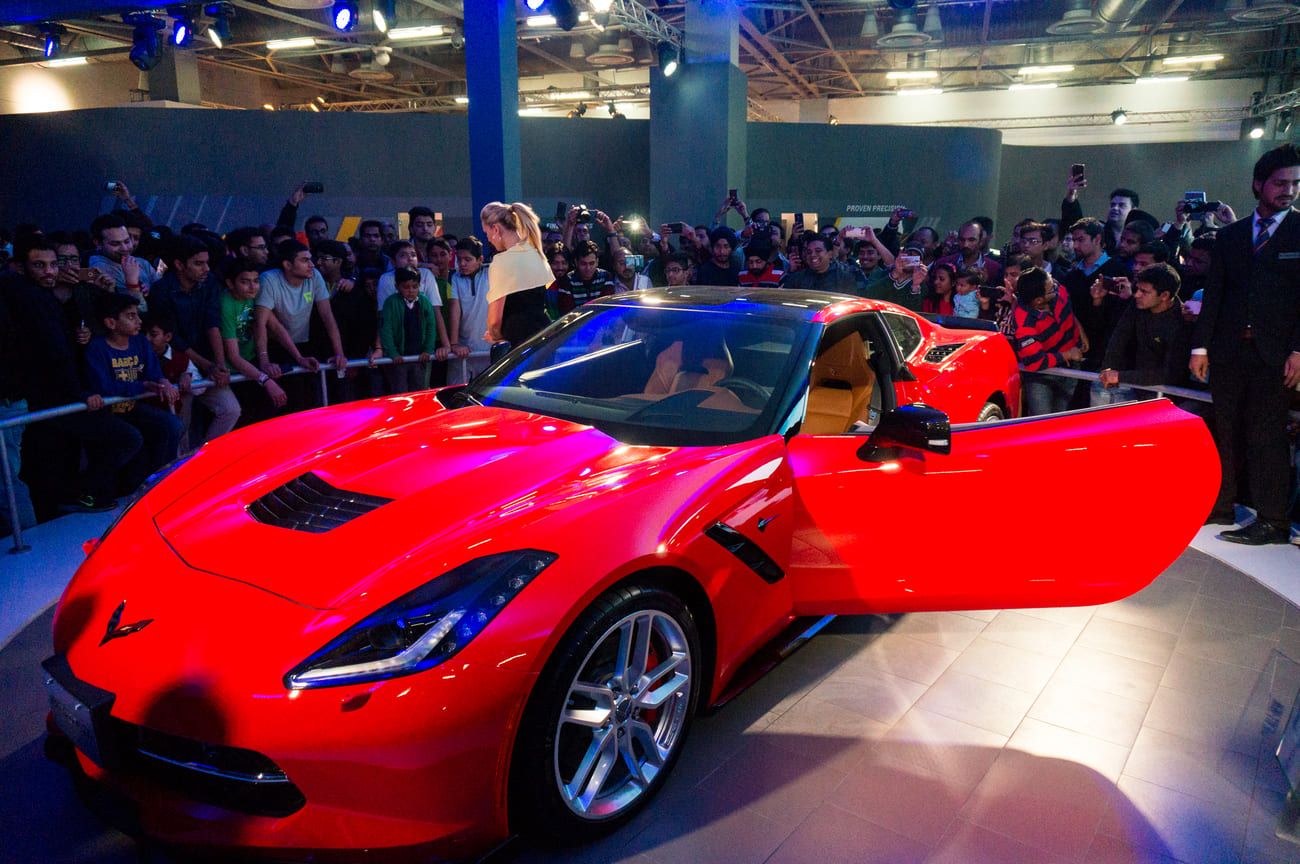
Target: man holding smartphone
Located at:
point(1247, 338)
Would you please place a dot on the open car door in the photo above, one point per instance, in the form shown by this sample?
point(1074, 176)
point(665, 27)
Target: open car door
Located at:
point(1061, 510)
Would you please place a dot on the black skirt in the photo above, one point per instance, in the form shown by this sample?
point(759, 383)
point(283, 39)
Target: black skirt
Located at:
point(524, 315)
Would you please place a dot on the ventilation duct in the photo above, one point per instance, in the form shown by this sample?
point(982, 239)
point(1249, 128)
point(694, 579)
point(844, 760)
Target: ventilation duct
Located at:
point(1118, 14)
point(904, 34)
point(1262, 11)
point(1078, 20)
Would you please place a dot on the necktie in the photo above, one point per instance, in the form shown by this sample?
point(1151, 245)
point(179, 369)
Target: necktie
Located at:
point(1263, 233)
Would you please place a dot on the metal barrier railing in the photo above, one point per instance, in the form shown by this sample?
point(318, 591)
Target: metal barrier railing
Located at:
point(77, 407)
point(50, 413)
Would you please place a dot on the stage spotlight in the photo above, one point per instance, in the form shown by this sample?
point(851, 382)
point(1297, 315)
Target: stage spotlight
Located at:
point(1119, 116)
point(220, 13)
point(1254, 127)
point(383, 14)
point(145, 48)
point(344, 15)
point(534, 5)
point(53, 40)
point(565, 13)
point(669, 58)
point(182, 31)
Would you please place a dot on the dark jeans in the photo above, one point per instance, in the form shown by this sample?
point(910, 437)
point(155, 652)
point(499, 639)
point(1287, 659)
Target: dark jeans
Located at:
point(1047, 394)
point(110, 443)
point(1250, 404)
point(160, 431)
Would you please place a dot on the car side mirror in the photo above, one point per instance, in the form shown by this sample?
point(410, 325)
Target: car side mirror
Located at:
point(917, 427)
point(499, 350)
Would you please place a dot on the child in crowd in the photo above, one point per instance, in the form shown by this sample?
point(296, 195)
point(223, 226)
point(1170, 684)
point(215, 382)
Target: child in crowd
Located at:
point(468, 312)
point(407, 325)
point(177, 368)
point(941, 282)
point(242, 286)
point(966, 299)
point(122, 363)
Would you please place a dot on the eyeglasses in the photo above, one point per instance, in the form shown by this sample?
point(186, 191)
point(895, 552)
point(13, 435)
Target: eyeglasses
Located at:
point(1031, 241)
point(327, 259)
point(261, 248)
point(68, 259)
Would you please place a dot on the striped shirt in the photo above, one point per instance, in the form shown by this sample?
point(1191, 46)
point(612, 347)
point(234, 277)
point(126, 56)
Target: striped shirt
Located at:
point(1042, 337)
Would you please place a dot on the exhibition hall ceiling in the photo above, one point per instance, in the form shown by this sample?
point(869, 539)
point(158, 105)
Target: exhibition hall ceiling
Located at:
point(790, 49)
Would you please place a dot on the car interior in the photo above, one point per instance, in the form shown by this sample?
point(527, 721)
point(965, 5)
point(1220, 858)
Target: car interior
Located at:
point(849, 383)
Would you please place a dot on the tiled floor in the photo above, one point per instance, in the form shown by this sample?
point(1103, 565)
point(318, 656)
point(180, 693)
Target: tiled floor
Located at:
point(1142, 731)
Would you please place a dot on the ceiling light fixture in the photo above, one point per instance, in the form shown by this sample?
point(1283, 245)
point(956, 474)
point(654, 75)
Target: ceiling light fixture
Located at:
point(424, 31)
point(344, 15)
point(1162, 79)
point(66, 61)
point(461, 100)
point(182, 30)
point(1041, 85)
point(1119, 116)
point(1192, 59)
point(1047, 70)
point(291, 44)
point(219, 30)
point(919, 91)
point(145, 48)
point(1254, 127)
point(911, 75)
point(383, 13)
point(53, 39)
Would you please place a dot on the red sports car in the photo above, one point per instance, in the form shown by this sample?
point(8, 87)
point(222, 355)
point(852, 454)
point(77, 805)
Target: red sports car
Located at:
point(424, 623)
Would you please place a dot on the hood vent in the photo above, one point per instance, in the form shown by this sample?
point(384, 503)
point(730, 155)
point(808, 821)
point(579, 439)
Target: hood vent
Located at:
point(310, 504)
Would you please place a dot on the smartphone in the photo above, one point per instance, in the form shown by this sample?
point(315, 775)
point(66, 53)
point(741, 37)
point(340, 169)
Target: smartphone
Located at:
point(1193, 306)
point(908, 262)
point(315, 187)
point(111, 186)
point(1108, 282)
point(992, 292)
point(561, 212)
point(1194, 195)
point(732, 196)
point(798, 219)
point(1076, 170)
point(636, 262)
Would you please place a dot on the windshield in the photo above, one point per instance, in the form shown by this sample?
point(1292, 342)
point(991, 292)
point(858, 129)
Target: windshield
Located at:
point(655, 375)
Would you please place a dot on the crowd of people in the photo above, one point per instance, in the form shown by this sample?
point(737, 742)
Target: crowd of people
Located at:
point(164, 319)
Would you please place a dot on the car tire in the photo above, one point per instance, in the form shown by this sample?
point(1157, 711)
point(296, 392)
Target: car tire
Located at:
point(585, 727)
point(991, 412)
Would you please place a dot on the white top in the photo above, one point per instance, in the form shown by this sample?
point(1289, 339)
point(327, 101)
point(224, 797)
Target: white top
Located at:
point(472, 293)
point(519, 268)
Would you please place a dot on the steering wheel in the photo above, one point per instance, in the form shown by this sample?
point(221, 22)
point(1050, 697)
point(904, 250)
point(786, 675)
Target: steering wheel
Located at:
point(751, 393)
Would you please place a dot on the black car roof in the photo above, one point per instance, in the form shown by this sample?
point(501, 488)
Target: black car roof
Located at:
point(776, 302)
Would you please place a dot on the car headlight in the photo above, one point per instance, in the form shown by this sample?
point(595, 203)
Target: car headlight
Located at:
point(151, 481)
point(425, 627)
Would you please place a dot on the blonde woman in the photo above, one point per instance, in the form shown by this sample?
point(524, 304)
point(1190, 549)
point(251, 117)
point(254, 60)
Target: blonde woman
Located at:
point(519, 275)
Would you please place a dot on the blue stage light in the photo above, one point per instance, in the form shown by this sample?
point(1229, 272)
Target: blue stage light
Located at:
point(345, 15)
point(534, 5)
point(182, 31)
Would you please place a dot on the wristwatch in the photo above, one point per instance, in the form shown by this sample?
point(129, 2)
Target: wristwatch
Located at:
point(263, 379)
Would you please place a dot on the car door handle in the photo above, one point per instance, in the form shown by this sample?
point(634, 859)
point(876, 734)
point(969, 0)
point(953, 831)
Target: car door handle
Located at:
point(762, 523)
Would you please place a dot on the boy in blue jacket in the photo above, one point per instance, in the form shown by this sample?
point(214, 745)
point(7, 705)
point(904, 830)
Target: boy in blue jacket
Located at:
point(122, 363)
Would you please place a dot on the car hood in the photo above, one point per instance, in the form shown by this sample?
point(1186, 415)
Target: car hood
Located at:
point(457, 480)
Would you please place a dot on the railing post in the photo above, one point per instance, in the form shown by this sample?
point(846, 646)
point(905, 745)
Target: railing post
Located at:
point(15, 526)
point(324, 387)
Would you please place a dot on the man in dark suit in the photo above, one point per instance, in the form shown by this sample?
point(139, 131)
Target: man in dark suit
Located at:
point(1248, 338)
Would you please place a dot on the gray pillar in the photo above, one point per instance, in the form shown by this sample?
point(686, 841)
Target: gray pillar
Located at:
point(698, 118)
point(176, 77)
point(492, 69)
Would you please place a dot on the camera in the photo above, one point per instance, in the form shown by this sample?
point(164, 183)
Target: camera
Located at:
point(634, 225)
point(1199, 208)
point(584, 215)
point(313, 188)
point(111, 186)
point(907, 214)
point(908, 262)
point(1108, 282)
point(636, 262)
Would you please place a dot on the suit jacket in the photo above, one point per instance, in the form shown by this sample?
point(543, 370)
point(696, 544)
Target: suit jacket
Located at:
point(1262, 291)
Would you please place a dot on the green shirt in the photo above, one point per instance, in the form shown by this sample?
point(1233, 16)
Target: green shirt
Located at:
point(237, 323)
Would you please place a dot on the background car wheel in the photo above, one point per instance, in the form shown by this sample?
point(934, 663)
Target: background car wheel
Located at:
point(990, 412)
point(608, 717)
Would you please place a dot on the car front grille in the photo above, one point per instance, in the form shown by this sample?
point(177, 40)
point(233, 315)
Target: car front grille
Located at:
point(231, 777)
point(310, 504)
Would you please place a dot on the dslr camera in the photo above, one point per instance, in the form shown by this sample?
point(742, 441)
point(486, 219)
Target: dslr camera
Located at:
point(1194, 204)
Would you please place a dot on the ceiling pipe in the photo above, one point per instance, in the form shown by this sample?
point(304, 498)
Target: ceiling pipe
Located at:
point(1118, 14)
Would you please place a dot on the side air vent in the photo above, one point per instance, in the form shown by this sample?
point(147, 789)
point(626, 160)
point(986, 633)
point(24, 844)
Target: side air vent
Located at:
point(940, 353)
point(308, 503)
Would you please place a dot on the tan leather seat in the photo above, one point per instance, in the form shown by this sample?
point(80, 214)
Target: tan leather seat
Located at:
point(671, 375)
point(840, 386)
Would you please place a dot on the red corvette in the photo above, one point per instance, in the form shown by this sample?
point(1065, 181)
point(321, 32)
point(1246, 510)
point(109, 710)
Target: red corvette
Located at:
point(421, 624)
